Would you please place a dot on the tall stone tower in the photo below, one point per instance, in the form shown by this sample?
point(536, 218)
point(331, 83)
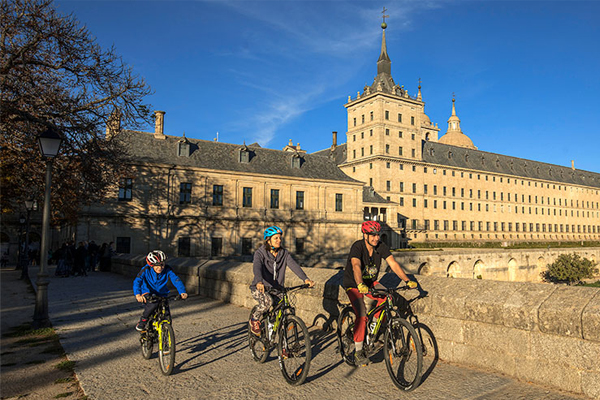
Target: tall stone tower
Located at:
point(386, 127)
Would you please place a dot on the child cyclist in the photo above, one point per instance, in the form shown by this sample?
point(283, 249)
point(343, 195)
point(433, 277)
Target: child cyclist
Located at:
point(153, 279)
point(270, 262)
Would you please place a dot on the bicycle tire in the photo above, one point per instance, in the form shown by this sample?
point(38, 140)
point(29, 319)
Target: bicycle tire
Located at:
point(294, 350)
point(147, 346)
point(403, 354)
point(345, 335)
point(258, 347)
point(166, 352)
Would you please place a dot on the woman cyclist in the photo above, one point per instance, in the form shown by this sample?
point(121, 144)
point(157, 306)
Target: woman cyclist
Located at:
point(362, 269)
point(270, 262)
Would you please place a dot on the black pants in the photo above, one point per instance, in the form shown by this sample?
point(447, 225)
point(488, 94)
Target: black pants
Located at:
point(149, 309)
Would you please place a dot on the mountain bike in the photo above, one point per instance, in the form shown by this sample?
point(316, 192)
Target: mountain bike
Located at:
point(282, 328)
point(402, 349)
point(160, 330)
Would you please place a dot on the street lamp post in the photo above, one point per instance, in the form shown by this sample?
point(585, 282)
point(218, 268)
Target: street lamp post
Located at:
point(49, 142)
point(30, 205)
point(20, 255)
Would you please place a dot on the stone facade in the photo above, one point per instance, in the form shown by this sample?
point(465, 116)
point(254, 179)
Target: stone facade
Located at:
point(446, 190)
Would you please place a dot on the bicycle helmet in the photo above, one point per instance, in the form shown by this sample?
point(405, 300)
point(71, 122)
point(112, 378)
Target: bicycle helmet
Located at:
point(370, 227)
point(272, 230)
point(155, 257)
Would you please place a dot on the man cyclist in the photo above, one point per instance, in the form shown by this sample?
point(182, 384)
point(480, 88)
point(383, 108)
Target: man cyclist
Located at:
point(360, 275)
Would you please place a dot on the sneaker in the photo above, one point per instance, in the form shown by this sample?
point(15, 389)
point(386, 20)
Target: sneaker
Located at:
point(255, 326)
point(360, 359)
point(141, 326)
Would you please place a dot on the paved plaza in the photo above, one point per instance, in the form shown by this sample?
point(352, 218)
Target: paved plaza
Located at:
point(95, 318)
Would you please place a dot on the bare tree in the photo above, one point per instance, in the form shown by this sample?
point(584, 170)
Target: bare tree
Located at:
point(53, 74)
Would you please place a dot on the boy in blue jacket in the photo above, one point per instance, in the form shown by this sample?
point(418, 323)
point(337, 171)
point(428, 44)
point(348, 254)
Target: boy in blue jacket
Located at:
point(153, 279)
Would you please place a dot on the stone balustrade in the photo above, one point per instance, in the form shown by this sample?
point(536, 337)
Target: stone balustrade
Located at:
point(536, 332)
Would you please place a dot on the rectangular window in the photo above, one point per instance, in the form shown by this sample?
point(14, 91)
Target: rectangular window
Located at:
point(299, 200)
point(371, 149)
point(123, 245)
point(400, 120)
point(125, 189)
point(183, 247)
point(216, 246)
point(387, 132)
point(371, 113)
point(299, 245)
point(217, 195)
point(436, 225)
point(185, 193)
point(388, 185)
point(424, 189)
point(274, 198)
point(402, 201)
point(413, 152)
point(415, 223)
point(414, 188)
point(435, 190)
point(401, 187)
point(412, 120)
point(338, 201)
point(414, 202)
point(247, 197)
point(246, 246)
point(387, 149)
point(446, 225)
point(400, 150)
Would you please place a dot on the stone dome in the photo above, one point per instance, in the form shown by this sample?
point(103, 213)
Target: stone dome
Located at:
point(425, 121)
point(457, 139)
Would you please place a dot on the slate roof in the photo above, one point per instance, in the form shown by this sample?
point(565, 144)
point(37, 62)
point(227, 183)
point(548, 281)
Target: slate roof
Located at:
point(371, 196)
point(143, 147)
point(338, 155)
point(453, 156)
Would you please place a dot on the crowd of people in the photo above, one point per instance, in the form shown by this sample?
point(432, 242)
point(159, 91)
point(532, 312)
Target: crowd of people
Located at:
point(78, 260)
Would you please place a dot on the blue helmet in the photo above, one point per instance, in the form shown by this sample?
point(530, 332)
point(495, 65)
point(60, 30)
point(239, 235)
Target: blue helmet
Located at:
point(272, 230)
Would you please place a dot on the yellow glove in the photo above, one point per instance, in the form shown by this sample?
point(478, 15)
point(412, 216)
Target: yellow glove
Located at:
point(362, 288)
point(412, 284)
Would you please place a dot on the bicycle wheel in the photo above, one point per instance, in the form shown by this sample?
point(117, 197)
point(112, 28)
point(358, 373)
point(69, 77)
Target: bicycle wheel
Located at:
point(147, 345)
point(166, 351)
point(258, 345)
point(345, 334)
point(294, 350)
point(403, 354)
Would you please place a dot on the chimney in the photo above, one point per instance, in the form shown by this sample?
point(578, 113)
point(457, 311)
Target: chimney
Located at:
point(159, 125)
point(113, 126)
point(334, 145)
point(573, 165)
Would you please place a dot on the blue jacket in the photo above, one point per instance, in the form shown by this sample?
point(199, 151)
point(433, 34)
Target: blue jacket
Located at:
point(148, 281)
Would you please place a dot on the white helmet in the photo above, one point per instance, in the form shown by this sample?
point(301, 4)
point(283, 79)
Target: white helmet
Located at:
point(155, 257)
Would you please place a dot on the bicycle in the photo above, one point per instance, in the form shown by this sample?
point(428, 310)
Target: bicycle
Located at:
point(402, 349)
point(280, 326)
point(160, 330)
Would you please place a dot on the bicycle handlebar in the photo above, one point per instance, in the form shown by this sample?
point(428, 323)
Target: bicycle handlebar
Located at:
point(154, 298)
point(288, 289)
point(376, 291)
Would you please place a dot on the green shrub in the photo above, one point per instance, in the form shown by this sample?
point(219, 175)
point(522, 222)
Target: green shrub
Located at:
point(569, 268)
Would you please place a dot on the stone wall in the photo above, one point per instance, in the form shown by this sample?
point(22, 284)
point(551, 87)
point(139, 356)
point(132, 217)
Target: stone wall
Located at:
point(543, 333)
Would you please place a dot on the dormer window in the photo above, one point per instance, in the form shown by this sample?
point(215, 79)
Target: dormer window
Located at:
point(450, 155)
point(296, 161)
point(244, 154)
point(466, 157)
point(183, 148)
point(497, 163)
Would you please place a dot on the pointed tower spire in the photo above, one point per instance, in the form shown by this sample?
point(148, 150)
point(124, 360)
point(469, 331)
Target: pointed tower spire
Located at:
point(384, 64)
point(454, 121)
point(419, 97)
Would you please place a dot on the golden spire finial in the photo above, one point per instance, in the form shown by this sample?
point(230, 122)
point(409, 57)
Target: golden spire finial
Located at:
point(383, 24)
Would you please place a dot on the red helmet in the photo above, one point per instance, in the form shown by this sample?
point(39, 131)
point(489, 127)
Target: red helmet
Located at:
point(370, 227)
point(155, 257)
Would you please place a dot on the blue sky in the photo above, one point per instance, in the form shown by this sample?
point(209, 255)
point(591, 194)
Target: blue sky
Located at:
point(526, 74)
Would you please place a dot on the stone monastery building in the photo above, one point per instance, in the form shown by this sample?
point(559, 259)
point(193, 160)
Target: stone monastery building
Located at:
point(210, 199)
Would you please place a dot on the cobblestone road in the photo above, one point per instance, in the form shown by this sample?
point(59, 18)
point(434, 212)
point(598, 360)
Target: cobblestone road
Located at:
point(95, 317)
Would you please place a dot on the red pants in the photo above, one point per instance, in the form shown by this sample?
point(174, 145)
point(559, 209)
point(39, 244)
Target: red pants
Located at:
point(358, 304)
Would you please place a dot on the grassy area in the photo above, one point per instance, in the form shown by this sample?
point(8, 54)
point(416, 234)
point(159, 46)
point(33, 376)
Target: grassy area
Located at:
point(591, 284)
point(498, 245)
